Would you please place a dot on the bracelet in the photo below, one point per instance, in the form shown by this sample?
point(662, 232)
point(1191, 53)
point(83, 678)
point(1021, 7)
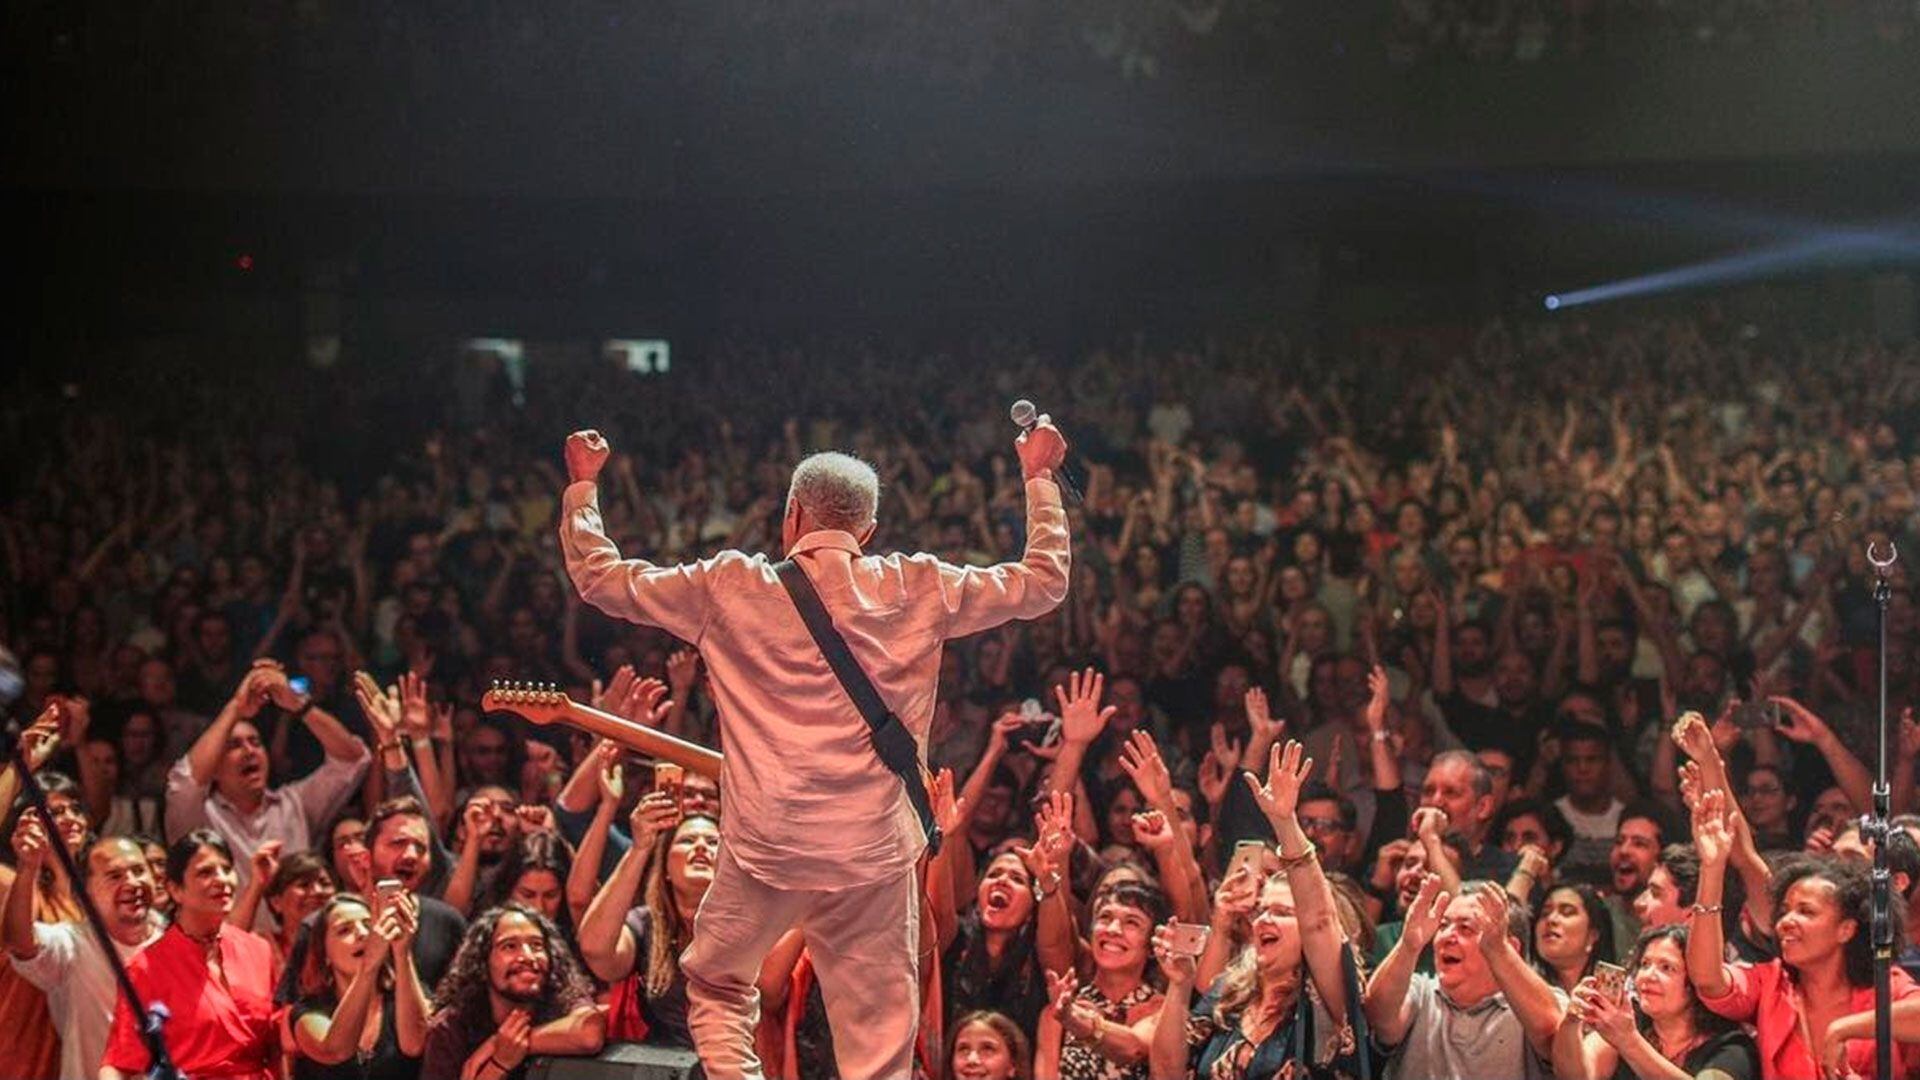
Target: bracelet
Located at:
point(1707, 909)
point(1382, 736)
point(1288, 862)
point(504, 1071)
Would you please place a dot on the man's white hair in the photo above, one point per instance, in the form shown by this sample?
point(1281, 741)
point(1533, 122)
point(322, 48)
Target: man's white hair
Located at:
point(839, 491)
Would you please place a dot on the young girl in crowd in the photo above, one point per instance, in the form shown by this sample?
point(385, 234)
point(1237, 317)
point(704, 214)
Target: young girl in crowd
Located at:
point(986, 1045)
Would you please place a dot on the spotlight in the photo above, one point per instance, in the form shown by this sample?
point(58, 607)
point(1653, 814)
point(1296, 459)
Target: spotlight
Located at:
point(1553, 303)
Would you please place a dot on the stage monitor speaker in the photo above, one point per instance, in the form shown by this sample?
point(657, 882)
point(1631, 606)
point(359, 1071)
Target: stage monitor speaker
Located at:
point(621, 1061)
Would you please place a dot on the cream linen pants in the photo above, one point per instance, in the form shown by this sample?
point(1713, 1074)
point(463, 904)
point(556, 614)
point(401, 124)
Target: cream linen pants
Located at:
point(864, 943)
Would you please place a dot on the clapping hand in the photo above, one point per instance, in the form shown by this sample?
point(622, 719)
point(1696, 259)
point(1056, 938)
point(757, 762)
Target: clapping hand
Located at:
point(1422, 919)
point(1490, 918)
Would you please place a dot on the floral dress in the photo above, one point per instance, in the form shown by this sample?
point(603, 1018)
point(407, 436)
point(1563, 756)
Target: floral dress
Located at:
point(1082, 1061)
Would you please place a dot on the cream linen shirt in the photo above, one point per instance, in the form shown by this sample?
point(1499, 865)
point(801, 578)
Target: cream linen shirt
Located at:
point(808, 803)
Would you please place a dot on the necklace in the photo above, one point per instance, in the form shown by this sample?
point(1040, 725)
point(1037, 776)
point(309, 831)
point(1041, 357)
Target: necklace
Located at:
point(206, 942)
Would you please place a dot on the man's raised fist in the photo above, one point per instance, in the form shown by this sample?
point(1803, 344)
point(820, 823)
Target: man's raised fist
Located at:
point(586, 452)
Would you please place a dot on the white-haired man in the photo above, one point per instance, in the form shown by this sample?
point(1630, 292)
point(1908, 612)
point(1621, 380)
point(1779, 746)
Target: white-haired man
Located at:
point(818, 832)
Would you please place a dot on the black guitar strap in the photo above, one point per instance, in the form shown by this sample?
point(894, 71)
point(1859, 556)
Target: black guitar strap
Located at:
point(891, 740)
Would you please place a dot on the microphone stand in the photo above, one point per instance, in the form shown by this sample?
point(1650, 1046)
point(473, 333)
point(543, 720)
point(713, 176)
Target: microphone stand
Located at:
point(1877, 827)
point(160, 1066)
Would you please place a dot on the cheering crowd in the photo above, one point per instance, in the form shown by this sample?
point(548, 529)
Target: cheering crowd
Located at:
point(1508, 716)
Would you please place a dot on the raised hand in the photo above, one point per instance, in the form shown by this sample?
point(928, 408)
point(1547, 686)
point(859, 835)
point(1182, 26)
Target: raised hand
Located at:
point(416, 713)
point(682, 668)
point(1140, 759)
point(1490, 918)
point(399, 920)
point(586, 452)
point(1693, 783)
point(1177, 967)
point(1152, 830)
point(1041, 449)
point(1000, 734)
point(1799, 723)
point(1233, 900)
point(535, 817)
point(656, 813)
point(1691, 735)
point(266, 860)
point(1081, 717)
point(949, 810)
point(1216, 773)
point(1713, 828)
point(647, 703)
point(29, 841)
point(382, 710)
point(1534, 862)
point(1610, 1017)
point(1423, 915)
point(1287, 772)
point(608, 774)
point(1260, 722)
point(610, 697)
point(42, 737)
point(1378, 697)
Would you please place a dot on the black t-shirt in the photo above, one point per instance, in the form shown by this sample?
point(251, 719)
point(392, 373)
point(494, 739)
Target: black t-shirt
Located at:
point(383, 1062)
point(441, 928)
point(1014, 987)
point(1730, 1052)
point(666, 1013)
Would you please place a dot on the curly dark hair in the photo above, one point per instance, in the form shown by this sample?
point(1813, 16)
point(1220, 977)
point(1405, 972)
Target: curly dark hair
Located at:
point(465, 986)
point(1853, 896)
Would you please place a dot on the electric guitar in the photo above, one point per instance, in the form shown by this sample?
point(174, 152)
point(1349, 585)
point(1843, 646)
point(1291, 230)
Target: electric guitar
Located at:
point(545, 703)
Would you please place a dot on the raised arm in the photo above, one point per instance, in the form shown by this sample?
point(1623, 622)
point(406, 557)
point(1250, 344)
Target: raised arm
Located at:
point(1168, 1055)
point(1389, 1010)
point(30, 853)
point(1532, 999)
point(1802, 725)
point(606, 944)
point(1288, 769)
point(674, 598)
point(1706, 941)
point(331, 1040)
point(980, 598)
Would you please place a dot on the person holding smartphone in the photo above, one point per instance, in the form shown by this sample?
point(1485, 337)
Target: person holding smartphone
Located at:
point(1257, 1020)
point(1657, 1030)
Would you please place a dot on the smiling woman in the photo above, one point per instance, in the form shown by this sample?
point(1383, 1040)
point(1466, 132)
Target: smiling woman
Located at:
point(215, 978)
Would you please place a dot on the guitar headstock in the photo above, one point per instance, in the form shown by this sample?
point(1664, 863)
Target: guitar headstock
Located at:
point(540, 703)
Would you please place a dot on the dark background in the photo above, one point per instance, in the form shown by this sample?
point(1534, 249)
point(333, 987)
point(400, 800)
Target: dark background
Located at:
point(404, 172)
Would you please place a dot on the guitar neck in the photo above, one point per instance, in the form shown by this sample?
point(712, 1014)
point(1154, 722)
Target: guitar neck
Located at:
point(643, 739)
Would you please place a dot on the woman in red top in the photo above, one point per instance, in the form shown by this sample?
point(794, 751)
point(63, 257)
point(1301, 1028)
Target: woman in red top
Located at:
point(215, 979)
point(1811, 1009)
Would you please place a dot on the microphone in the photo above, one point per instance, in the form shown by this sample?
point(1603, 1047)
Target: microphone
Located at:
point(1025, 416)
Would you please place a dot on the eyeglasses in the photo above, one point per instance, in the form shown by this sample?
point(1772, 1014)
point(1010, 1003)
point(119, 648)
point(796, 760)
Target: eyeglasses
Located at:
point(1322, 824)
point(1765, 790)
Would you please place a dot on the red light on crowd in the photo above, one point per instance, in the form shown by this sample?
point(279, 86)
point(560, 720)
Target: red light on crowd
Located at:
point(244, 262)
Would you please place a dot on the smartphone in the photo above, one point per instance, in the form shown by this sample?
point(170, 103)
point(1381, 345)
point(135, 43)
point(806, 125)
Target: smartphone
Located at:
point(669, 778)
point(1188, 939)
point(388, 887)
point(300, 684)
point(1247, 853)
point(1610, 979)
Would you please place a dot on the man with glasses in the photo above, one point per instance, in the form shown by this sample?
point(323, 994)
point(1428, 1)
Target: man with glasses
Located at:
point(1330, 822)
